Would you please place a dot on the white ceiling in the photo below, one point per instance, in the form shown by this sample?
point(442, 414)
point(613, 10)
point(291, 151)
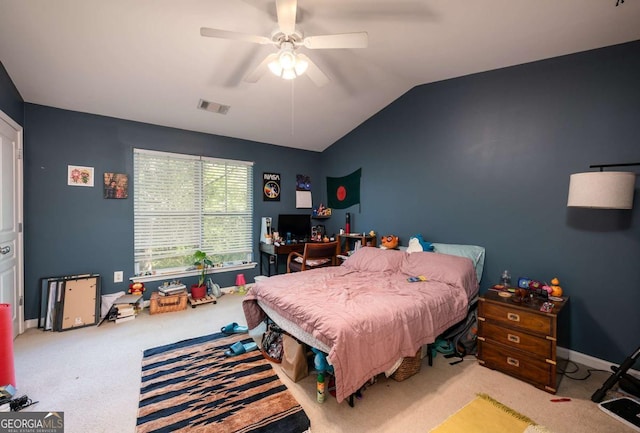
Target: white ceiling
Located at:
point(145, 60)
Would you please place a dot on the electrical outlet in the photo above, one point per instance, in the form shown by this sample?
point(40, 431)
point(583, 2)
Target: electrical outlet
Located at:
point(118, 276)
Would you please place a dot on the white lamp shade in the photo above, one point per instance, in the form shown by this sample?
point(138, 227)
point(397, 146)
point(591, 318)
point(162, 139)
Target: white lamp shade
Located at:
point(602, 189)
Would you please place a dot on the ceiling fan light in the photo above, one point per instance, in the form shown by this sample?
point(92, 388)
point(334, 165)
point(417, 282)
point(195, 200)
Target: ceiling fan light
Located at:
point(301, 66)
point(287, 60)
point(289, 74)
point(275, 68)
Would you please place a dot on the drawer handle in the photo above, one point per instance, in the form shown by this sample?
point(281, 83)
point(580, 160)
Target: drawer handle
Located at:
point(513, 361)
point(513, 317)
point(513, 338)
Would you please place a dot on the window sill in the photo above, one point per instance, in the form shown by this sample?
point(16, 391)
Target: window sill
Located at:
point(172, 275)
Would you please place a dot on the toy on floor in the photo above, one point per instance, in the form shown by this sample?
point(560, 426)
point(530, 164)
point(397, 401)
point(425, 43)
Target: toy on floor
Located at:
point(136, 288)
point(320, 362)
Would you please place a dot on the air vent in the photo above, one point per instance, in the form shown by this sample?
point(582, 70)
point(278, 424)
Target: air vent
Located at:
point(214, 107)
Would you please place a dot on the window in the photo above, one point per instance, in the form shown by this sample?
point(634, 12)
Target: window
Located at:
point(184, 203)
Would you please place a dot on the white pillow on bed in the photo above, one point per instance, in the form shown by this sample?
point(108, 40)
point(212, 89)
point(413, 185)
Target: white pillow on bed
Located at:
point(473, 252)
point(372, 259)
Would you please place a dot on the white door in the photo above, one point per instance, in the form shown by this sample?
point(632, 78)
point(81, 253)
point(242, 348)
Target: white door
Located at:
point(11, 279)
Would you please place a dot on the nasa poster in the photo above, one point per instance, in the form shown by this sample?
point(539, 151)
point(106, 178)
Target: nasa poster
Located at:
point(271, 186)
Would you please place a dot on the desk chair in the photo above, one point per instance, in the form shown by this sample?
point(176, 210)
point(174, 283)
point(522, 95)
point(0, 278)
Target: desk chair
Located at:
point(315, 255)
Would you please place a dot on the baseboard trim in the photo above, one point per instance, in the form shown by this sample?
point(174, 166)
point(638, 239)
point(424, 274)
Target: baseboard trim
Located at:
point(590, 361)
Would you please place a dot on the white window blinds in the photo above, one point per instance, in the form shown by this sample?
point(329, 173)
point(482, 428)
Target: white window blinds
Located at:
point(184, 203)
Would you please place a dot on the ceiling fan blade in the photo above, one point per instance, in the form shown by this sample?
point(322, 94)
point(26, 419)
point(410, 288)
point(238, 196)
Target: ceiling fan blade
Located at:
point(260, 70)
point(344, 40)
point(313, 72)
point(226, 34)
point(287, 15)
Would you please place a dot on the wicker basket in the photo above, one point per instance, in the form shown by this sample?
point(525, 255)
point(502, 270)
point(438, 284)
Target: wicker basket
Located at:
point(409, 367)
point(167, 304)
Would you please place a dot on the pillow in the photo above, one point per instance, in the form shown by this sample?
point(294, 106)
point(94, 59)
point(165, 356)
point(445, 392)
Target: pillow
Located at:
point(473, 252)
point(313, 262)
point(372, 259)
point(446, 268)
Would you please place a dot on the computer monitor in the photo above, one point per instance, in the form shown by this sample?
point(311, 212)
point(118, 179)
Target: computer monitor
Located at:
point(299, 225)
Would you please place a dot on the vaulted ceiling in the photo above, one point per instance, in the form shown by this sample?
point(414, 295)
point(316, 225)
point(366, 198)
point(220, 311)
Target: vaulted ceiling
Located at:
point(145, 60)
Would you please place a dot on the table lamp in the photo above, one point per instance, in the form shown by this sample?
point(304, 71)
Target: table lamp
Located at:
point(241, 284)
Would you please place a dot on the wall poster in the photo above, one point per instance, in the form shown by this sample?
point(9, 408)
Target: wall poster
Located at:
point(116, 185)
point(79, 176)
point(271, 186)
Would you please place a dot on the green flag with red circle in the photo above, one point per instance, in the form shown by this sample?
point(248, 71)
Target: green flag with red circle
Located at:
point(343, 192)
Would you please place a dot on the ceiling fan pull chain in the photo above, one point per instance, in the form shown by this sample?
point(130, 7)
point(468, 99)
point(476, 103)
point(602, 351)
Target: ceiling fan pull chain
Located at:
point(292, 106)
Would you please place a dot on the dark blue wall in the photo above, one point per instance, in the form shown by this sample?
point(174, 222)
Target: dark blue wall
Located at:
point(10, 100)
point(486, 159)
point(73, 230)
point(483, 159)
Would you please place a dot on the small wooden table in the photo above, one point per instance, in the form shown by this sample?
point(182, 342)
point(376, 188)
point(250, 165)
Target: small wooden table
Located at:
point(347, 241)
point(209, 299)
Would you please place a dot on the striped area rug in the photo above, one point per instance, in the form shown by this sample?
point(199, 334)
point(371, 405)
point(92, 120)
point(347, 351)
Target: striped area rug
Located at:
point(192, 386)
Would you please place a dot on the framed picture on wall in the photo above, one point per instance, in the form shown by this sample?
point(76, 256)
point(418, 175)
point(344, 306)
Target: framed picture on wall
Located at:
point(79, 176)
point(271, 186)
point(116, 185)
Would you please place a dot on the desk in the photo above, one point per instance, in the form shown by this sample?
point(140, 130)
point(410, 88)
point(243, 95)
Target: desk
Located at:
point(273, 251)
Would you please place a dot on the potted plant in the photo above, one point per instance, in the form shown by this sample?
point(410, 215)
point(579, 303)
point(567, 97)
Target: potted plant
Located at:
point(202, 262)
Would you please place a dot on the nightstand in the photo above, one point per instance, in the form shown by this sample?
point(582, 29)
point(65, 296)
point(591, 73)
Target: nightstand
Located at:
point(520, 340)
point(347, 242)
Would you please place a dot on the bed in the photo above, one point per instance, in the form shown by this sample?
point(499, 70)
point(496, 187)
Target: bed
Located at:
point(365, 314)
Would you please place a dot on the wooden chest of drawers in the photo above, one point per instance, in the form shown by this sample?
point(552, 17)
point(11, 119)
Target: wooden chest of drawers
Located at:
point(519, 339)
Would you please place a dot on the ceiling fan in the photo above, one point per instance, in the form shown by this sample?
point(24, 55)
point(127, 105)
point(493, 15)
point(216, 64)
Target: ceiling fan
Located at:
point(287, 62)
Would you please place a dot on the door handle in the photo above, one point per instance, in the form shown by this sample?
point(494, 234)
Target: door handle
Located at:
point(5, 250)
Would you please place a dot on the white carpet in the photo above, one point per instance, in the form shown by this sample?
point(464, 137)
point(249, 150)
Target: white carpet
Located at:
point(93, 375)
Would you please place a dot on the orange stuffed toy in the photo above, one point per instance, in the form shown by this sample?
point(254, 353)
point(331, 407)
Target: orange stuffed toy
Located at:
point(389, 242)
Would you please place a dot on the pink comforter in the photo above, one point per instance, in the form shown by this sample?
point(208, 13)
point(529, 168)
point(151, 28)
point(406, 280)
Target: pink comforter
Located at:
point(366, 311)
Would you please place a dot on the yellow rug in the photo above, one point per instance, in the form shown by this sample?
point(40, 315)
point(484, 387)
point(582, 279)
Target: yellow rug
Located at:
point(486, 415)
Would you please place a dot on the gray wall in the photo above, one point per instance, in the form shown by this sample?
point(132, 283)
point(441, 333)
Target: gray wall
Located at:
point(73, 230)
point(485, 160)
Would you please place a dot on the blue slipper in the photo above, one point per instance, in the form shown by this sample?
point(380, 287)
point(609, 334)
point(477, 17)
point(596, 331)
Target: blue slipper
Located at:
point(239, 348)
point(234, 328)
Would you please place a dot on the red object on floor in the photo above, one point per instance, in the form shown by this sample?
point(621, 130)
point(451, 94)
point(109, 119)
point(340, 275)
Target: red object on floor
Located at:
point(198, 292)
point(332, 385)
point(7, 372)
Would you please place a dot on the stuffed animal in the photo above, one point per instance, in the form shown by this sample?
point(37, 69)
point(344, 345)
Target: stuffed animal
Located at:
point(136, 288)
point(556, 290)
point(389, 242)
point(417, 243)
point(320, 362)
